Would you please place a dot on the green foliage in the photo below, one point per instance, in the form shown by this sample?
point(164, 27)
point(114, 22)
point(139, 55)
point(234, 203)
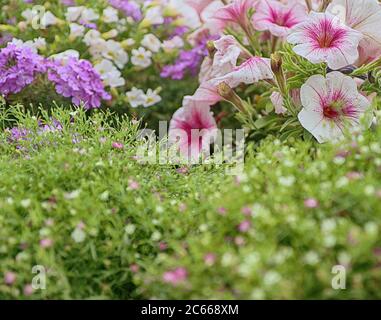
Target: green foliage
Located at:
point(297, 68)
point(50, 185)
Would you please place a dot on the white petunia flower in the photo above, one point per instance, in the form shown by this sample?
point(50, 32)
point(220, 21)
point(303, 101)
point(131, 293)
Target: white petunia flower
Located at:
point(151, 98)
point(65, 55)
point(151, 42)
point(76, 30)
point(110, 15)
point(330, 105)
point(115, 52)
point(136, 97)
point(153, 16)
point(48, 19)
point(91, 37)
point(110, 75)
point(141, 57)
point(73, 13)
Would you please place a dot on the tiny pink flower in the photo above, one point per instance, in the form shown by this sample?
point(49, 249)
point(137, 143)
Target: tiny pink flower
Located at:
point(133, 185)
point(182, 170)
point(182, 207)
point(278, 18)
point(323, 38)
point(244, 226)
point(311, 203)
point(134, 268)
point(9, 278)
point(193, 128)
point(331, 105)
point(176, 276)
point(210, 259)
point(239, 241)
point(28, 290)
point(222, 211)
point(163, 246)
point(247, 211)
point(46, 243)
point(117, 145)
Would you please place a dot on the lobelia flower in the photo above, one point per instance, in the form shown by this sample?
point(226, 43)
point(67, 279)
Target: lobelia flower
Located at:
point(276, 17)
point(78, 80)
point(323, 38)
point(19, 67)
point(193, 128)
point(361, 15)
point(331, 105)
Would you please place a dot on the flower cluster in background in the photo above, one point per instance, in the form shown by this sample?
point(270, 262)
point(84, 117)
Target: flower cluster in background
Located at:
point(113, 53)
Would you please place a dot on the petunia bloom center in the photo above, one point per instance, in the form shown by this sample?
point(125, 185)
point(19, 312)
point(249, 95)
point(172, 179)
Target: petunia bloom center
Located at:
point(326, 35)
point(283, 19)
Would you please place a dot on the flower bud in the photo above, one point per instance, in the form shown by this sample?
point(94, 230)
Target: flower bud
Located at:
point(229, 95)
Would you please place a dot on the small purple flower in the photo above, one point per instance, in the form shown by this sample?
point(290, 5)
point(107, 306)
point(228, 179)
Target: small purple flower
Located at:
point(9, 278)
point(311, 203)
point(19, 67)
point(188, 60)
point(175, 276)
point(117, 145)
point(78, 80)
point(129, 8)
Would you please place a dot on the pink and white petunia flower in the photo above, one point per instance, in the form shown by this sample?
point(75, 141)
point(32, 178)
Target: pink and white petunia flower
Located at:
point(251, 71)
point(199, 5)
point(235, 13)
point(226, 56)
point(331, 105)
point(323, 38)
point(361, 15)
point(192, 128)
point(278, 18)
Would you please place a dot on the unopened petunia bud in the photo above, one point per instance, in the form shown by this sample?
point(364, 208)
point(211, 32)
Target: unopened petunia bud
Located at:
point(211, 48)
point(229, 95)
point(276, 67)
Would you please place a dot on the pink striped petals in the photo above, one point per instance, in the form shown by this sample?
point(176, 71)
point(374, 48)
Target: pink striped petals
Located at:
point(234, 13)
point(331, 105)
point(361, 15)
point(251, 71)
point(278, 18)
point(323, 38)
point(193, 128)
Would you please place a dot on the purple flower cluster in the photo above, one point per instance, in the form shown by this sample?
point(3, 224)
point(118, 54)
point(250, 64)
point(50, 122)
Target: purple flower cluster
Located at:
point(77, 79)
point(129, 8)
point(188, 60)
point(19, 67)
